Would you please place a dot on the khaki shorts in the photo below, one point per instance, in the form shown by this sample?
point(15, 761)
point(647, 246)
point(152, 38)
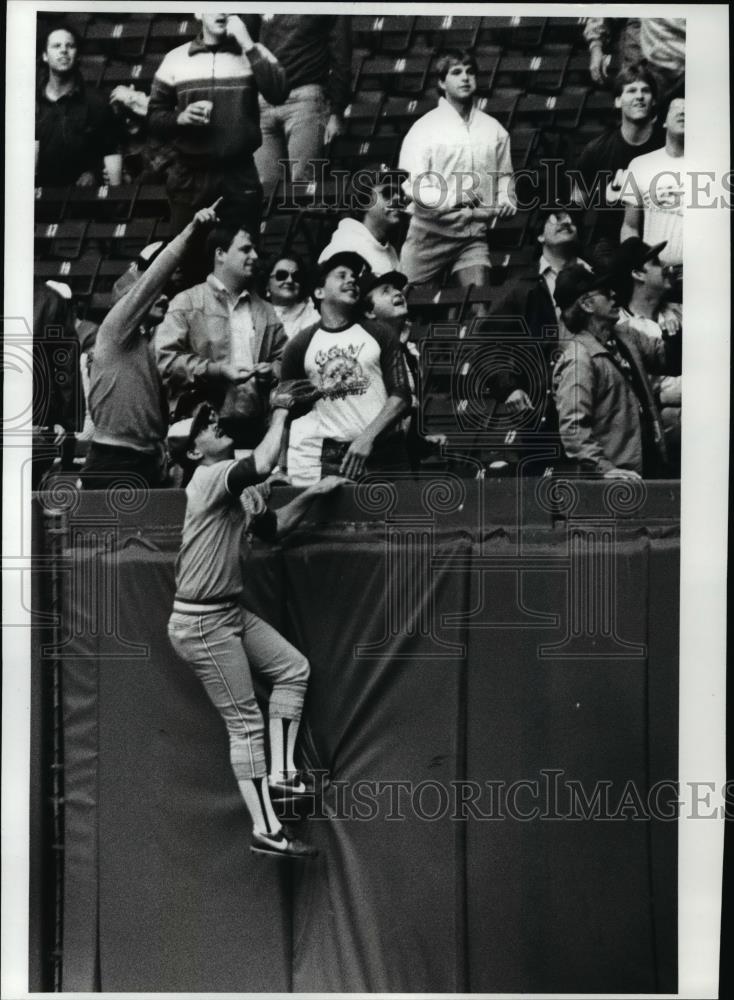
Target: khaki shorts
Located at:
point(426, 255)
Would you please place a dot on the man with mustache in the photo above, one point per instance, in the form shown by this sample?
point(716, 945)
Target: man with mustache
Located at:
point(530, 298)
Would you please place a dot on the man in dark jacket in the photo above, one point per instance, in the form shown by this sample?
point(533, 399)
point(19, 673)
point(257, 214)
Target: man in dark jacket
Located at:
point(315, 50)
point(608, 420)
point(205, 98)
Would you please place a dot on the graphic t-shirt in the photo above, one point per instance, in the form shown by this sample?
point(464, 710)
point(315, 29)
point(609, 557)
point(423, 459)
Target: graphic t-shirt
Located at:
point(606, 158)
point(356, 370)
point(659, 184)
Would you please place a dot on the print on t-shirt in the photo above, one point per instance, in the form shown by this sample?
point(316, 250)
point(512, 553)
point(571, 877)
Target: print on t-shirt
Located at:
point(340, 373)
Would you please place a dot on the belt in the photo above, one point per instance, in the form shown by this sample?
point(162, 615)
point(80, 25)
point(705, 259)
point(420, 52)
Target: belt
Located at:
point(205, 606)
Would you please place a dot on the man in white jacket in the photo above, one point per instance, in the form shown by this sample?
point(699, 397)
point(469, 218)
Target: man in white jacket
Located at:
point(460, 177)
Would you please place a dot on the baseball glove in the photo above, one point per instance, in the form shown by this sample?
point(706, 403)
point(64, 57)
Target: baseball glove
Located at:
point(297, 396)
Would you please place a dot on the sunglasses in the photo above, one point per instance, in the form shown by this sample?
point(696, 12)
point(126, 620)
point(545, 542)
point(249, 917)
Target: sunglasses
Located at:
point(282, 275)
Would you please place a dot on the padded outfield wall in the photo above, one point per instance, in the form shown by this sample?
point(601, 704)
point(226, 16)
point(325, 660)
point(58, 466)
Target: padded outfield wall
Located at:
point(493, 708)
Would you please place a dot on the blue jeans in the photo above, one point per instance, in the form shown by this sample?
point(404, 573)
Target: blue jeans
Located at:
point(223, 647)
point(292, 131)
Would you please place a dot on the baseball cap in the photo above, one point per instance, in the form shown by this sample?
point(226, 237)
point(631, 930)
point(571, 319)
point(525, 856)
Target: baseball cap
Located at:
point(575, 281)
point(128, 278)
point(371, 280)
point(345, 258)
point(633, 254)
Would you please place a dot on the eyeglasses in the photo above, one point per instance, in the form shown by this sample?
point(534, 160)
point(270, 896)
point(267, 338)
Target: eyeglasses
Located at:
point(283, 275)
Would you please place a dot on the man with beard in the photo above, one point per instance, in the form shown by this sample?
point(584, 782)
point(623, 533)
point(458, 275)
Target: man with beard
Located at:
point(126, 400)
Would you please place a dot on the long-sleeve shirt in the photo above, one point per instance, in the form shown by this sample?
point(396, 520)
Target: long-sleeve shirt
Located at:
point(312, 49)
point(445, 154)
point(228, 78)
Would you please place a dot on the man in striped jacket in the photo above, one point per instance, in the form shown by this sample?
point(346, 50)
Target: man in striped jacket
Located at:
point(204, 99)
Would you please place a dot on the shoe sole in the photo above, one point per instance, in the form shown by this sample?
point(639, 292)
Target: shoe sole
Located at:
point(272, 853)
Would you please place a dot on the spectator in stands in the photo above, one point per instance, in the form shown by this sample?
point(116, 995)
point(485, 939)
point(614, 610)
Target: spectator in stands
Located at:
point(224, 642)
point(460, 176)
point(642, 286)
point(222, 339)
point(315, 50)
point(384, 302)
point(655, 190)
point(361, 375)
point(660, 41)
point(287, 291)
point(597, 183)
point(204, 98)
point(77, 138)
point(609, 422)
point(530, 296)
point(377, 199)
point(125, 394)
point(58, 402)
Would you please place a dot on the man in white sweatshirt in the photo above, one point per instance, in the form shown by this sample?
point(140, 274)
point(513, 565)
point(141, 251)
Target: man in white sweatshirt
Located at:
point(460, 177)
point(377, 200)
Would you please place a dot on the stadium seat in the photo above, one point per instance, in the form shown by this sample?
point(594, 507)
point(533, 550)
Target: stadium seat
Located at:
point(360, 117)
point(50, 203)
point(438, 304)
point(522, 145)
point(79, 275)
point(60, 240)
point(501, 105)
point(508, 233)
point(395, 75)
point(92, 67)
point(169, 30)
point(562, 110)
point(447, 31)
point(380, 33)
point(122, 239)
point(108, 273)
point(512, 32)
point(103, 203)
point(151, 201)
point(399, 113)
point(544, 71)
point(565, 30)
point(351, 153)
point(138, 74)
point(122, 36)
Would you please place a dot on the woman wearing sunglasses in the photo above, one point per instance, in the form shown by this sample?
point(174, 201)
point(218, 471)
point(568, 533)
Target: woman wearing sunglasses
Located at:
point(286, 290)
